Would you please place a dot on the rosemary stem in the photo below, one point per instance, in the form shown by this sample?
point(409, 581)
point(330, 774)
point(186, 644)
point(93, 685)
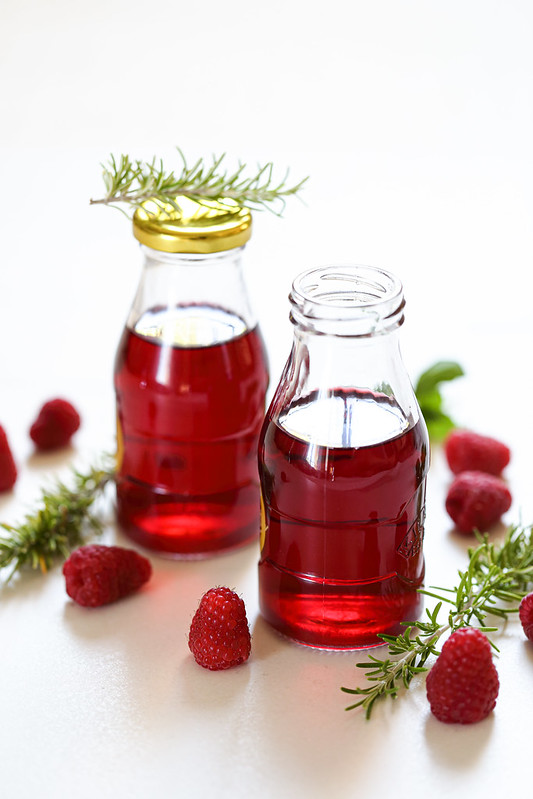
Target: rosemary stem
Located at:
point(64, 520)
point(132, 182)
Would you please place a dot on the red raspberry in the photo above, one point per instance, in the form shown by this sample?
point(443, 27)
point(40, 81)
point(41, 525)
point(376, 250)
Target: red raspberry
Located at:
point(476, 501)
point(55, 425)
point(8, 470)
point(219, 637)
point(525, 611)
point(470, 452)
point(463, 685)
point(96, 575)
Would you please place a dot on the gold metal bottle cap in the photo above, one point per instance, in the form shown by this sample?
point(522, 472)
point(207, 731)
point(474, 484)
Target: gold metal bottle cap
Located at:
point(192, 227)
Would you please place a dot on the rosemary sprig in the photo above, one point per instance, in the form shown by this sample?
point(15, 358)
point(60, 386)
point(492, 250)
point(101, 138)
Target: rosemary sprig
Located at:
point(64, 520)
point(495, 574)
point(131, 182)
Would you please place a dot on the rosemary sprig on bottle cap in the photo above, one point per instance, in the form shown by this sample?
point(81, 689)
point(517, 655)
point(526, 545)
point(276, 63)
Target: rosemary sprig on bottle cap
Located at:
point(131, 182)
point(495, 574)
point(63, 521)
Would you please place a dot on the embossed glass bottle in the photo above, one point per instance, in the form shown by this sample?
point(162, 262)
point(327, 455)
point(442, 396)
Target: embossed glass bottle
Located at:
point(343, 458)
point(190, 381)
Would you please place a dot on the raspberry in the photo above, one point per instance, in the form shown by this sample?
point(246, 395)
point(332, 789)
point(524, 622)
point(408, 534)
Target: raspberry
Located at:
point(8, 470)
point(470, 452)
point(476, 501)
point(96, 575)
point(55, 425)
point(219, 637)
point(463, 685)
point(525, 611)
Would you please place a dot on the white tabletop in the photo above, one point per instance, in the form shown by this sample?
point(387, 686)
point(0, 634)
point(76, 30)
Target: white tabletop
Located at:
point(414, 121)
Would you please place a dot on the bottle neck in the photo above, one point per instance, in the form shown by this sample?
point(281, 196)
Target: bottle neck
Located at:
point(345, 328)
point(372, 363)
point(208, 289)
point(346, 359)
point(331, 385)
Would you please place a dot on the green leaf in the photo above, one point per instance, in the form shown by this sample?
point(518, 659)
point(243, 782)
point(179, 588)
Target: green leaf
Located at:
point(440, 372)
point(431, 403)
point(439, 427)
point(429, 397)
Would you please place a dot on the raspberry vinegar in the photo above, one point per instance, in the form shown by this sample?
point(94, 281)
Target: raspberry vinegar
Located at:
point(190, 381)
point(343, 458)
point(190, 419)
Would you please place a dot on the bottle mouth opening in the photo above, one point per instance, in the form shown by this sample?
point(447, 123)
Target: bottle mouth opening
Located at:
point(363, 300)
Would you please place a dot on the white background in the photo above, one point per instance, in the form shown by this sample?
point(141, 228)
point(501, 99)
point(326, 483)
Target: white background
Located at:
point(414, 121)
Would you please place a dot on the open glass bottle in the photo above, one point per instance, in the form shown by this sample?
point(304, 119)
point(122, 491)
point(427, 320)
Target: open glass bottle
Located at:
point(343, 458)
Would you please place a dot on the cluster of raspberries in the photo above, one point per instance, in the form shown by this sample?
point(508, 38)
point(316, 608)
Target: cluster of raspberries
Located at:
point(56, 423)
point(463, 685)
point(478, 496)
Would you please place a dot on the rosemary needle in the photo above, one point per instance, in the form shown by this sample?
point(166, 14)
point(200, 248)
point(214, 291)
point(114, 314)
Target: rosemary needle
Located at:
point(63, 521)
point(495, 574)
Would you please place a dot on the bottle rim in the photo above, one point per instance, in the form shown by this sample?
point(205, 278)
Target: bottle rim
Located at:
point(352, 300)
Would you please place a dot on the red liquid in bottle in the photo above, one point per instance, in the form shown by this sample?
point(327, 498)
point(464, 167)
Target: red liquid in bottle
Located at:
point(189, 418)
point(342, 531)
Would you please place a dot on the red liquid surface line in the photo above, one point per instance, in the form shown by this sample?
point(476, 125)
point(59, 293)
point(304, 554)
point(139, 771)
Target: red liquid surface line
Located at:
point(342, 557)
point(189, 419)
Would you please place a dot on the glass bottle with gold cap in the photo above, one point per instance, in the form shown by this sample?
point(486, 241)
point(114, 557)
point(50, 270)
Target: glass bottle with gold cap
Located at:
point(190, 380)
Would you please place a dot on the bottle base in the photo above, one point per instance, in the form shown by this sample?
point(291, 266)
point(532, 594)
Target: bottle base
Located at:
point(329, 616)
point(164, 549)
point(320, 647)
point(189, 529)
